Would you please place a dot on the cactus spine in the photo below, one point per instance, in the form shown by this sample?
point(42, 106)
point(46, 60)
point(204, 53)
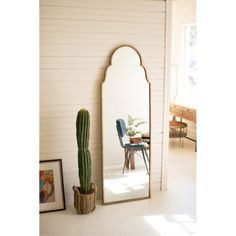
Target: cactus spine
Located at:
point(84, 157)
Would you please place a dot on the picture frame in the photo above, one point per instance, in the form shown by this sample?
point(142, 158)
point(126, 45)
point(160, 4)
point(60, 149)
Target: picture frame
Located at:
point(51, 186)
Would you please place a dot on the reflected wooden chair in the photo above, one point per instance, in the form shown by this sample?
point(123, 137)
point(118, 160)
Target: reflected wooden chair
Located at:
point(131, 148)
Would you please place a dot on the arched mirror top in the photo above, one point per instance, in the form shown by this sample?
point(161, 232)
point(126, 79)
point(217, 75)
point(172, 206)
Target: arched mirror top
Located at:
point(126, 56)
point(125, 63)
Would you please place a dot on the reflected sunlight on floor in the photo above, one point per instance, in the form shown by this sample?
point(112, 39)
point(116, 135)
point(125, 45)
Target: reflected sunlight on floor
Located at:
point(131, 184)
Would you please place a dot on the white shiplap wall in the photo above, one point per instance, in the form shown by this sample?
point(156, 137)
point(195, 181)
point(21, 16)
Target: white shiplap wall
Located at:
point(76, 41)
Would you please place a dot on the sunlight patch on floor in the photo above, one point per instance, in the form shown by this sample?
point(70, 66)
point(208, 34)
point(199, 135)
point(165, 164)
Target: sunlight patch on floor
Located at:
point(178, 225)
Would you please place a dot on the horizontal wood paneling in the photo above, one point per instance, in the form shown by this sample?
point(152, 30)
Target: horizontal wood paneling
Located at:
point(86, 62)
point(91, 14)
point(101, 38)
point(119, 6)
point(87, 51)
point(76, 40)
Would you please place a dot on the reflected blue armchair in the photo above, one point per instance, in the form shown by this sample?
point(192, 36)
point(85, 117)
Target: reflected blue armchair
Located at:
point(131, 148)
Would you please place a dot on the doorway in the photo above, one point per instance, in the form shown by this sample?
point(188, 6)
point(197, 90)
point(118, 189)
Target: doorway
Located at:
point(181, 164)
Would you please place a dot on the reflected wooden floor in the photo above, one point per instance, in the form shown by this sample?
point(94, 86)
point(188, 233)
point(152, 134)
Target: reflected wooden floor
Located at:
point(132, 184)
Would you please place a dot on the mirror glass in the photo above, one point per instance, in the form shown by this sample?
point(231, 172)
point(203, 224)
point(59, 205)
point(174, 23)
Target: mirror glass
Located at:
point(125, 128)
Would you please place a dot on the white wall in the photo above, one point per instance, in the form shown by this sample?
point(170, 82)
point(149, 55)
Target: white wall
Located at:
point(77, 38)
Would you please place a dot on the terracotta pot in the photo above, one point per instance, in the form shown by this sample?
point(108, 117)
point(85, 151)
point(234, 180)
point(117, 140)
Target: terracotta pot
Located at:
point(136, 140)
point(85, 203)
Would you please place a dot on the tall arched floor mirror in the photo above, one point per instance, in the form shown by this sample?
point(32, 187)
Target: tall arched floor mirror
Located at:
point(125, 128)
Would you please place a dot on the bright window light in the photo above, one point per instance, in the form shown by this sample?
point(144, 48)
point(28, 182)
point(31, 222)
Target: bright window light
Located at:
point(187, 82)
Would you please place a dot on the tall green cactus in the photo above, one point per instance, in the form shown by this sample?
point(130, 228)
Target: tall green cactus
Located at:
point(84, 157)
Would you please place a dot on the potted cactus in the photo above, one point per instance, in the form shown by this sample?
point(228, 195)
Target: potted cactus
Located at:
point(85, 195)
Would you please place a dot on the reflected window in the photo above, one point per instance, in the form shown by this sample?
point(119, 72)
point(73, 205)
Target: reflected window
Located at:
point(186, 86)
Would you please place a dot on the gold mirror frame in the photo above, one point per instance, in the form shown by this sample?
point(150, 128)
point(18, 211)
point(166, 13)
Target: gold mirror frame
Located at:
point(150, 146)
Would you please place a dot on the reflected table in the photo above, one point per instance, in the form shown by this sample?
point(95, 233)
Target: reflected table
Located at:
point(130, 164)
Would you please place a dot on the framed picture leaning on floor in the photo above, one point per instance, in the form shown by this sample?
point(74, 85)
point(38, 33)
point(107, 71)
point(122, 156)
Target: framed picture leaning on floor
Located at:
point(51, 187)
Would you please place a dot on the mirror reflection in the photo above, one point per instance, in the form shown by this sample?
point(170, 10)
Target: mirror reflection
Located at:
point(125, 128)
